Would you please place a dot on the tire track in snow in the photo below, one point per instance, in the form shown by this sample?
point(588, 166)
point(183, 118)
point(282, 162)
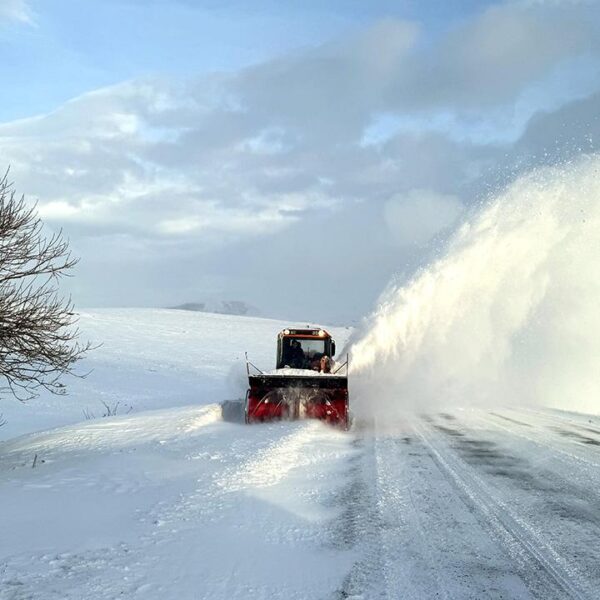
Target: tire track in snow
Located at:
point(575, 464)
point(402, 522)
point(358, 529)
point(538, 437)
point(418, 537)
point(555, 492)
point(544, 570)
point(562, 419)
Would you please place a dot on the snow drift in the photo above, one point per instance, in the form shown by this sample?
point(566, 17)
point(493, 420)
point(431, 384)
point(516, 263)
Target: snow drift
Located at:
point(510, 313)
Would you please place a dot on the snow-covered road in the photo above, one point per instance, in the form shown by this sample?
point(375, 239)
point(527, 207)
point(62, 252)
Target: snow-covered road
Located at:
point(179, 504)
point(478, 504)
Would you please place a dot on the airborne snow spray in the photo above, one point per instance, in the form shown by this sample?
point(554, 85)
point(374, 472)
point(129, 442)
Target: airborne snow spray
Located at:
point(510, 314)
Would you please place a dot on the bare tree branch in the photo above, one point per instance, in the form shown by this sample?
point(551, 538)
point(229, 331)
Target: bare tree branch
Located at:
point(38, 332)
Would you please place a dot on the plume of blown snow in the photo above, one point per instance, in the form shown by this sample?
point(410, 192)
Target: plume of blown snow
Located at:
point(509, 315)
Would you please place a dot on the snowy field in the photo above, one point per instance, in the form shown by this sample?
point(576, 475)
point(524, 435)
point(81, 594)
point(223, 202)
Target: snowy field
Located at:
point(168, 501)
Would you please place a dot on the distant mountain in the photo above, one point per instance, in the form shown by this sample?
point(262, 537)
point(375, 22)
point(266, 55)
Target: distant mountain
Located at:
point(221, 307)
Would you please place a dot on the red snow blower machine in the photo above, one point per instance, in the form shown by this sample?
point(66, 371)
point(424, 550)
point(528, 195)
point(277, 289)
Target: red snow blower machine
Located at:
point(306, 383)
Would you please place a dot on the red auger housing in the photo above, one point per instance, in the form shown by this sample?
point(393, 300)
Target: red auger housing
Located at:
point(306, 383)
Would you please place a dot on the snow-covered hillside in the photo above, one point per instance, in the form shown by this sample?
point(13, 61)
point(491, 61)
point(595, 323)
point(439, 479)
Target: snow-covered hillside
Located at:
point(221, 307)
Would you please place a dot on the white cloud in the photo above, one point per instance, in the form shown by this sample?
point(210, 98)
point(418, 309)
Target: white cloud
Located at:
point(57, 211)
point(492, 58)
point(16, 10)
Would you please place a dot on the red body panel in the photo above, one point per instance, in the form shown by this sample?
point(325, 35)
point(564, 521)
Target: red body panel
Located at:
point(259, 408)
point(281, 403)
point(334, 409)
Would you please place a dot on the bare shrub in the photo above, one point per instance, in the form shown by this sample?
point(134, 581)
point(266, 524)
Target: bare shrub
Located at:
point(110, 410)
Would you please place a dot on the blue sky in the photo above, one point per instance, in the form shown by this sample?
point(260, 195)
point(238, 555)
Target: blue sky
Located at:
point(197, 150)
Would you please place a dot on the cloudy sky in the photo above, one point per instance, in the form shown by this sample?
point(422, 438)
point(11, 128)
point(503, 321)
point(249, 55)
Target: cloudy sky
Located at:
point(294, 155)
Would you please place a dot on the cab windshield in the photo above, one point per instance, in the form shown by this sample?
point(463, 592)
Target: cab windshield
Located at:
point(301, 353)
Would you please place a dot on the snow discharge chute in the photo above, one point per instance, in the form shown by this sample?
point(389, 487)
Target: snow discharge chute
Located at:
point(509, 314)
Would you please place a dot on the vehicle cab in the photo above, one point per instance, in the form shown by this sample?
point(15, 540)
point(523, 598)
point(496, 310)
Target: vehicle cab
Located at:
point(303, 348)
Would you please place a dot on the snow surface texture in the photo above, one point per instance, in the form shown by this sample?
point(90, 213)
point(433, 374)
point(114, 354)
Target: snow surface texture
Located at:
point(508, 314)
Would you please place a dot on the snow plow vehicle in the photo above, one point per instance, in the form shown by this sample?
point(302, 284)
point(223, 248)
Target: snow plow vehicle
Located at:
point(306, 383)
